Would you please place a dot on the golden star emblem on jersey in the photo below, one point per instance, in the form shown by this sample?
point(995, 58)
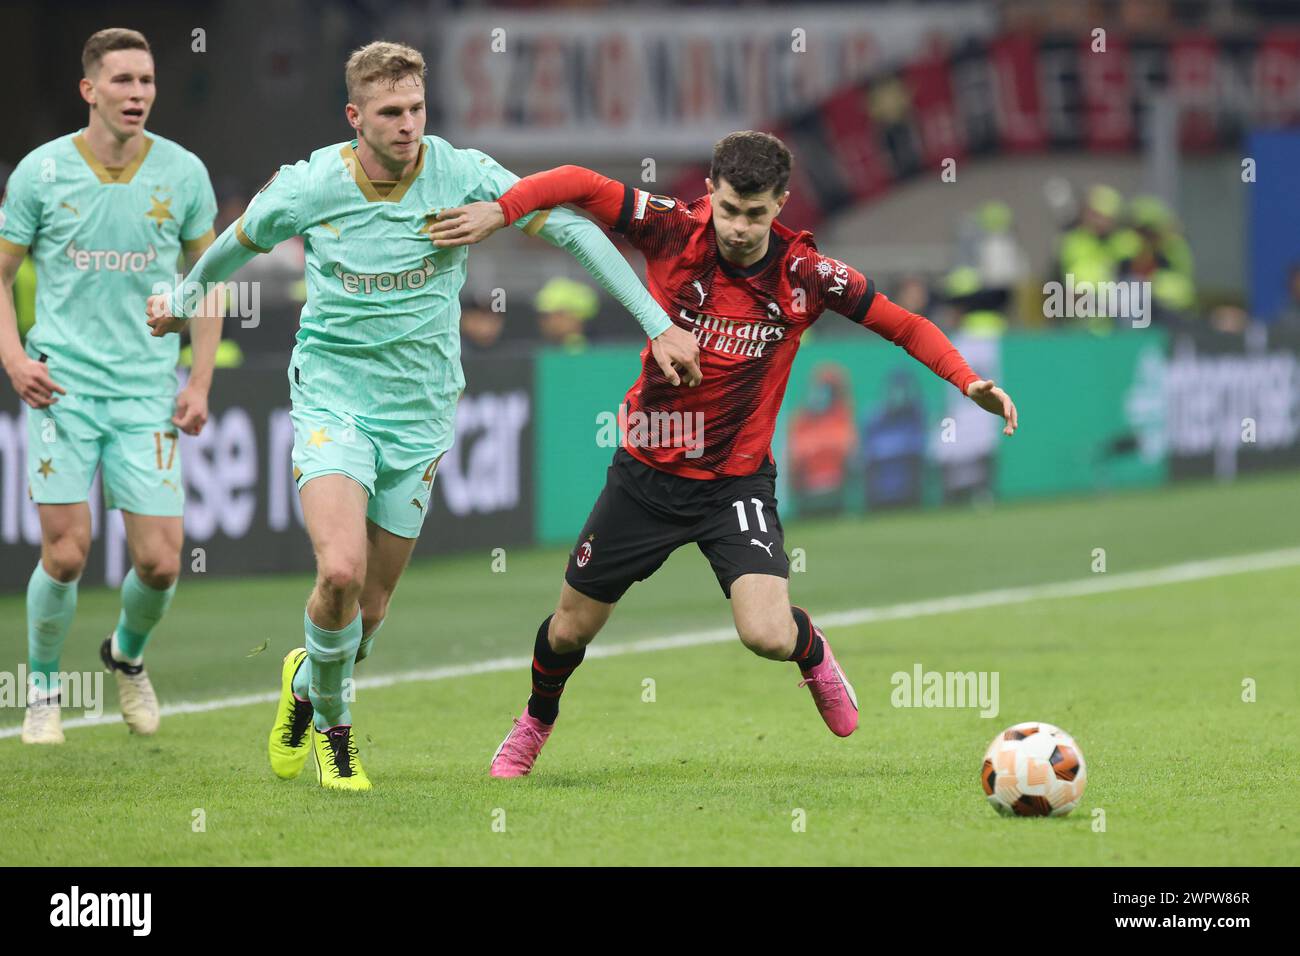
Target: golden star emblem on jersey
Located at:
point(318, 438)
point(47, 467)
point(159, 211)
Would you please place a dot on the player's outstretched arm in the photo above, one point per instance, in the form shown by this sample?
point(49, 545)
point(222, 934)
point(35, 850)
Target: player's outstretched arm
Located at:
point(675, 349)
point(574, 185)
point(170, 311)
point(926, 342)
point(271, 218)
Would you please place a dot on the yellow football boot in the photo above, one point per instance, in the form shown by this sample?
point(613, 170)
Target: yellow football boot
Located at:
point(289, 745)
point(337, 765)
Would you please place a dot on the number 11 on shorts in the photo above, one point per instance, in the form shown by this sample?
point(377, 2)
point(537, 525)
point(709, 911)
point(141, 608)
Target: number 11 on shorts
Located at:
point(758, 513)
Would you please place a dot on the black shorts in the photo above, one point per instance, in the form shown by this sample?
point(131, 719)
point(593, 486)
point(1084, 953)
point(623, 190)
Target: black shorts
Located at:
point(644, 514)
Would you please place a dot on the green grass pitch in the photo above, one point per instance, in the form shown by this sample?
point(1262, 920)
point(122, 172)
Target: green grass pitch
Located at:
point(1148, 679)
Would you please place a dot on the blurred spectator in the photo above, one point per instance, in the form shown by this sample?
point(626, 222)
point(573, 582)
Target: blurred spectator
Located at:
point(563, 308)
point(966, 448)
point(1152, 249)
point(987, 242)
point(913, 294)
point(1157, 224)
point(893, 444)
point(975, 309)
point(480, 327)
point(1087, 250)
point(821, 443)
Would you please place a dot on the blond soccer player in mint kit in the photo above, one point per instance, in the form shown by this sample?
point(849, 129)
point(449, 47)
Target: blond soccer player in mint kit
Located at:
point(375, 374)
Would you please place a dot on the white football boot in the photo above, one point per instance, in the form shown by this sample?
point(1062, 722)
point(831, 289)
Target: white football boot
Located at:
point(134, 692)
point(42, 723)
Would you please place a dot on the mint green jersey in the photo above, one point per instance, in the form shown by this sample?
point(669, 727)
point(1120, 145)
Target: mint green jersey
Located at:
point(379, 334)
point(102, 244)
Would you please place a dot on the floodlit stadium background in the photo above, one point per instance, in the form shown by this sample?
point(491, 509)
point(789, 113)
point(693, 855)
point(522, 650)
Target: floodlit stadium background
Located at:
point(949, 150)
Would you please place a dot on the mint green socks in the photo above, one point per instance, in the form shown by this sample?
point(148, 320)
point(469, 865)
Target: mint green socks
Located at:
point(142, 608)
point(363, 651)
point(302, 678)
point(332, 655)
point(51, 605)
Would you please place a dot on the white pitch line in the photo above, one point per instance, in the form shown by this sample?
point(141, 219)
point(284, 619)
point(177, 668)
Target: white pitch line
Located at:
point(1100, 584)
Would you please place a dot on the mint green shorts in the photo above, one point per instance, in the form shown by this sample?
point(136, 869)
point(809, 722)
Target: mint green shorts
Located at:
point(394, 461)
point(132, 439)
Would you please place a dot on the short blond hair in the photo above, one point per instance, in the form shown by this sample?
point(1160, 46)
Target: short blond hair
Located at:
point(381, 62)
point(106, 41)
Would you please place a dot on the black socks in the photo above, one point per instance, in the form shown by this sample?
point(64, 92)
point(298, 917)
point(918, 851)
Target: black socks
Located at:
point(808, 647)
point(550, 671)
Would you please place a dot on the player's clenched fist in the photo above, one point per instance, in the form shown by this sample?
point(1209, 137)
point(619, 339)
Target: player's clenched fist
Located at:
point(191, 409)
point(676, 351)
point(161, 320)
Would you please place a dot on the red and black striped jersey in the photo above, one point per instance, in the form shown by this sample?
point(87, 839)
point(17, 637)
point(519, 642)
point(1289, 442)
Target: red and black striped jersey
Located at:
point(747, 320)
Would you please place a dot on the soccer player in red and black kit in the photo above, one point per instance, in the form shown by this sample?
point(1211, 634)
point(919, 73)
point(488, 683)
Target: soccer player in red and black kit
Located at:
point(747, 286)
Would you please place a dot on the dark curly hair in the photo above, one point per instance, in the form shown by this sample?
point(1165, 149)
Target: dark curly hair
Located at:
point(751, 162)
